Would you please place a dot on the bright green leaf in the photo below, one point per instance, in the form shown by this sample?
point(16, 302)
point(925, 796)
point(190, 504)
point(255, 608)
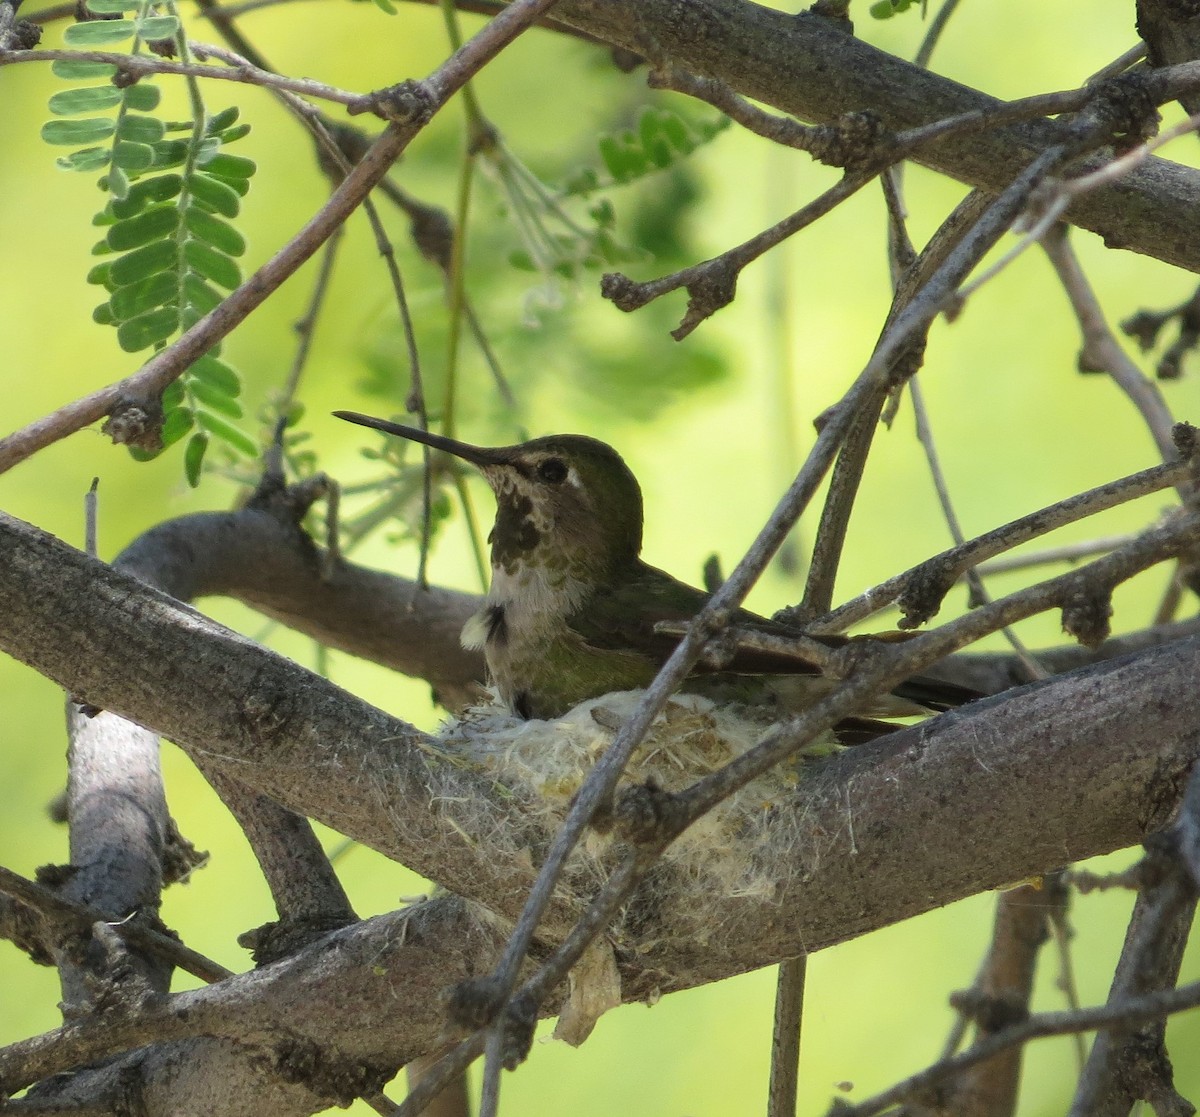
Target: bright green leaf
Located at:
point(178, 419)
point(141, 129)
point(89, 159)
point(116, 182)
point(676, 132)
point(108, 7)
point(143, 331)
point(603, 213)
point(200, 295)
point(212, 264)
point(153, 28)
point(98, 33)
point(77, 131)
point(232, 135)
point(143, 262)
point(98, 276)
point(172, 397)
point(218, 122)
point(95, 98)
point(103, 315)
point(225, 165)
point(613, 154)
point(226, 432)
point(218, 374)
point(193, 457)
point(218, 401)
point(152, 225)
point(147, 294)
point(215, 232)
point(73, 69)
point(143, 193)
point(216, 195)
point(133, 157)
point(143, 97)
point(170, 153)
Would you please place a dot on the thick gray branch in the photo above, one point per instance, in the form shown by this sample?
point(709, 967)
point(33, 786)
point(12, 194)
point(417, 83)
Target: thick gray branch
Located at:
point(807, 66)
point(876, 834)
point(256, 556)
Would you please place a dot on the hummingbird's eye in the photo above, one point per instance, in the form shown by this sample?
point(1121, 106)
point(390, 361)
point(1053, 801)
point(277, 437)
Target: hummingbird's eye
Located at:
point(553, 471)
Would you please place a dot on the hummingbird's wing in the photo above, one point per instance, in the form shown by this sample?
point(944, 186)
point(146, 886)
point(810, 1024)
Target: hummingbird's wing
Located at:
point(622, 617)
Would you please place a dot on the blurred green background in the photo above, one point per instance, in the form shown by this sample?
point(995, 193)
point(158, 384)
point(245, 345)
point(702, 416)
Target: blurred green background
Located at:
point(714, 427)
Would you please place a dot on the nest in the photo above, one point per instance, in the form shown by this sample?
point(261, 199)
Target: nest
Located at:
point(542, 765)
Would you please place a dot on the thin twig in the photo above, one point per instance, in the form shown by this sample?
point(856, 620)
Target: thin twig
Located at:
point(1102, 352)
point(79, 918)
point(979, 594)
point(143, 65)
point(1065, 191)
point(950, 565)
point(785, 1037)
point(1137, 1010)
point(1068, 552)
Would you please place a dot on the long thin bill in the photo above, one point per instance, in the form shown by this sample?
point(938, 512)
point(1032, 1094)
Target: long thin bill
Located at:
point(476, 455)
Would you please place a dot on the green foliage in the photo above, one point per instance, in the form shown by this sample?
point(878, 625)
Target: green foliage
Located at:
point(661, 140)
point(885, 9)
point(169, 249)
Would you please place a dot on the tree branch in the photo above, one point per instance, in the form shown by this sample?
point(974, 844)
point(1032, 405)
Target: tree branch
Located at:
point(808, 66)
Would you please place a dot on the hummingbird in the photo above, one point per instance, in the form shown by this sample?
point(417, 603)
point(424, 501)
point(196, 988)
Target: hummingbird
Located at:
point(572, 609)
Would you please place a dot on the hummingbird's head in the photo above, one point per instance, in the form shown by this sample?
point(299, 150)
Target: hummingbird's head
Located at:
point(564, 499)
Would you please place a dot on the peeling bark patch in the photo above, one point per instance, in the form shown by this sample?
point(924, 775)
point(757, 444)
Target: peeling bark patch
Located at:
point(303, 1061)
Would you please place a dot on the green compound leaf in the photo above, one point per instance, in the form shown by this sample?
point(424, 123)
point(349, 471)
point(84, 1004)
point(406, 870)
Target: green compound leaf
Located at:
point(133, 157)
point(109, 7)
point(227, 433)
point(218, 374)
point(215, 399)
point(116, 182)
point(231, 166)
point(147, 329)
point(137, 298)
point(179, 419)
point(199, 295)
point(170, 153)
point(212, 264)
point(173, 395)
point(71, 69)
point(215, 232)
point(218, 122)
point(77, 131)
point(142, 97)
point(193, 457)
point(89, 159)
point(152, 225)
point(153, 28)
point(95, 98)
point(140, 129)
point(98, 33)
point(141, 194)
point(231, 135)
point(142, 263)
point(216, 195)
